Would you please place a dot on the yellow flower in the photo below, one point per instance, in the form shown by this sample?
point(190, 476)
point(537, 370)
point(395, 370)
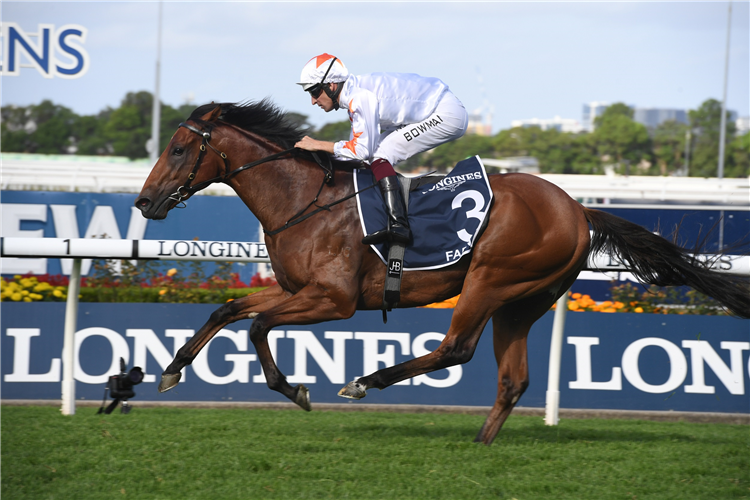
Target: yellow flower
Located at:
point(16, 297)
point(28, 282)
point(638, 309)
point(57, 293)
point(576, 296)
point(573, 306)
point(171, 272)
point(162, 291)
point(41, 287)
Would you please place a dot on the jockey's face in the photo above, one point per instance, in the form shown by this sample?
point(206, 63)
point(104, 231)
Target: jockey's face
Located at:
point(325, 102)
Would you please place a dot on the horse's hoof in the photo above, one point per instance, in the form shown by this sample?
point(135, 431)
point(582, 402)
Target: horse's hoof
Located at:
point(303, 398)
point(169, 380)
point(353, 390)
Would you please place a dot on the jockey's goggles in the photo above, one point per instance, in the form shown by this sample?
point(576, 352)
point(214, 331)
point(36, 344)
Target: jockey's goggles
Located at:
point(316, 89)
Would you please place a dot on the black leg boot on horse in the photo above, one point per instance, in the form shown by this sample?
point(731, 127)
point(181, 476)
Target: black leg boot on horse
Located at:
point(397, 229)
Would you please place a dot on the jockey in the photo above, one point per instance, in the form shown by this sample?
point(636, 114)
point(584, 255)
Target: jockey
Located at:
point(394, 116)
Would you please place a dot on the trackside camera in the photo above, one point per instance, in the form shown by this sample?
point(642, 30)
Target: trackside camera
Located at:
point(120, 388)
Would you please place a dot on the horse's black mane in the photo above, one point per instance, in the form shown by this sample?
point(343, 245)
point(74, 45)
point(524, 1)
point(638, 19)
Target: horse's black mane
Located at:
point(267, 120)
point(260, 117)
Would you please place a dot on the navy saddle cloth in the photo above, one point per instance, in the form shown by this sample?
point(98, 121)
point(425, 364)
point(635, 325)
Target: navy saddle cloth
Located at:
point(446, 216)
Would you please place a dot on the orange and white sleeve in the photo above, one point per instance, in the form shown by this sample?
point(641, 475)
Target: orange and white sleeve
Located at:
point(363, 114)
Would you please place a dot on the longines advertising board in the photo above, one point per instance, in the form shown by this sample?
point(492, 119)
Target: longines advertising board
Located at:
point(612, 361)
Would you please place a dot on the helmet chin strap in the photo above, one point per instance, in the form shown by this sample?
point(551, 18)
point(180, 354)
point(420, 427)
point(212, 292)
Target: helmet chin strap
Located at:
point(334, 94)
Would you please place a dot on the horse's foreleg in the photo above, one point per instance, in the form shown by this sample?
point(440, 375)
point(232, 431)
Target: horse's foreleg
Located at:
point(310, 305)
point(242, 308)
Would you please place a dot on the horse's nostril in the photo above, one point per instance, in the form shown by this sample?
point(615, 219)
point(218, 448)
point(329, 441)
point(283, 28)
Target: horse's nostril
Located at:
point(142, 202)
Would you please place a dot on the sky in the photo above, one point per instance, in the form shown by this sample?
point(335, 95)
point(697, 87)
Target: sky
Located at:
point(519, 60)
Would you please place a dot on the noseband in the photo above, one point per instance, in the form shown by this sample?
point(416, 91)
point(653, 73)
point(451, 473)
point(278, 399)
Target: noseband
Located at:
point(186, 190)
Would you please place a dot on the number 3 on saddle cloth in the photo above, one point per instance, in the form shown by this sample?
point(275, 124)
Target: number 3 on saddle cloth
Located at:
point(446, 214)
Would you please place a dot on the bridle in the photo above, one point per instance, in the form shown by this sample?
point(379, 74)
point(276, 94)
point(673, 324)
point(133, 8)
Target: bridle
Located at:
point(186, 190)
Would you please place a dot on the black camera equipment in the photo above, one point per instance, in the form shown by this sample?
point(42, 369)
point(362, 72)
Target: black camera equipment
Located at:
point(121, 388)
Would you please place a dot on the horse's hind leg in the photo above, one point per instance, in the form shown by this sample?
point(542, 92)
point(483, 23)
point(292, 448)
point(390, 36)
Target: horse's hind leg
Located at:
point(242, 308)
point(467, 324)
point(510, 328)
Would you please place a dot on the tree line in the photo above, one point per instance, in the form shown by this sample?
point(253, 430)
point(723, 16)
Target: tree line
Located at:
point(617, 142)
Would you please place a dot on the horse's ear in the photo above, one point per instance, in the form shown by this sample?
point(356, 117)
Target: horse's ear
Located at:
point(212, 115)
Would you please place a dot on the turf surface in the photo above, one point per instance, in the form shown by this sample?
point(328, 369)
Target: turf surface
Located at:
point(164, 453)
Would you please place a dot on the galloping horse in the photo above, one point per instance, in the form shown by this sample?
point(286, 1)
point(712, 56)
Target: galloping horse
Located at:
point(535, 243)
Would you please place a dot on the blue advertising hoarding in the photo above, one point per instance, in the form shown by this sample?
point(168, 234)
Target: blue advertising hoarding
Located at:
point(609, 361)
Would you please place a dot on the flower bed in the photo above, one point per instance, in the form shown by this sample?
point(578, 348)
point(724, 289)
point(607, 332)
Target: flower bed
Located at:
point(33, 289)
point(146, 281)
point(633, 299)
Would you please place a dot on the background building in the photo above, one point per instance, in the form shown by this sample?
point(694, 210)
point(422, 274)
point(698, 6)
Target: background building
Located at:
point(561, 124)
point(742, 124)
point(653, 117)
point(480, 123)
point(590, 111)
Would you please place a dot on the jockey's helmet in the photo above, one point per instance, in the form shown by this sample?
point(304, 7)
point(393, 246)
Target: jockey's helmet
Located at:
point(320, 70)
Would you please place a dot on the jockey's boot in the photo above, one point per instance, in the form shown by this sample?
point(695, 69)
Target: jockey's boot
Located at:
point(397, 230)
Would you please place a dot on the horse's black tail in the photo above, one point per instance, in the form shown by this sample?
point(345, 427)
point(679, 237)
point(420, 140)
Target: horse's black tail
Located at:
point(656, 261)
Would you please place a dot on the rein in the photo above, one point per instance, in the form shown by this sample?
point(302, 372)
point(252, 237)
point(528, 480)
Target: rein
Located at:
point(186, 190)
point(299, 217)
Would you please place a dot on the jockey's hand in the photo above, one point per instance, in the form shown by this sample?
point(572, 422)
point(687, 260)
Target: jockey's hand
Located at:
point(309, 144)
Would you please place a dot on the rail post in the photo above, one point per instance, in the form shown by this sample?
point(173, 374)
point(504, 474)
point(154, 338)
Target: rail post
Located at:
point(552, 403)
point(68, 354)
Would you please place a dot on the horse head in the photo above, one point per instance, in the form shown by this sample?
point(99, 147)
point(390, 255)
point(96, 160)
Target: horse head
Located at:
point(189, 163)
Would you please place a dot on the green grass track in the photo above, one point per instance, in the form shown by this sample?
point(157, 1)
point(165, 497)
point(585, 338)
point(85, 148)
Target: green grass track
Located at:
point(178, 453)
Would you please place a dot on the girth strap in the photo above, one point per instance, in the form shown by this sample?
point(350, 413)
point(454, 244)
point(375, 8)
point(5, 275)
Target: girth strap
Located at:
point(395, 262)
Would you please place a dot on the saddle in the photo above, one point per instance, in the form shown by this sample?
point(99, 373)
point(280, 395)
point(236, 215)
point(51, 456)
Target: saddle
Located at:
point(447, 214)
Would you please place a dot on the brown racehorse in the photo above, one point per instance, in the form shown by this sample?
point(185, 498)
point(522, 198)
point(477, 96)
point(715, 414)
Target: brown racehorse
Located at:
point(535, 244)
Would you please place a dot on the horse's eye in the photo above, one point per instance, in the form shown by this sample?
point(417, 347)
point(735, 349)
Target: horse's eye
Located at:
point(178, 151)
